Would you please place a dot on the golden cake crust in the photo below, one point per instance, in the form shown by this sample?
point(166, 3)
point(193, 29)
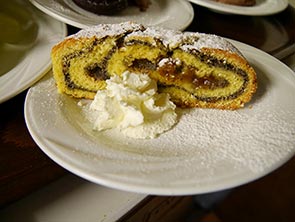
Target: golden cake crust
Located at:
point(197, 70)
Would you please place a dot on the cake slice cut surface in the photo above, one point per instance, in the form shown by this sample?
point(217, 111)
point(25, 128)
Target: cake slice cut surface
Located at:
point(196, 69)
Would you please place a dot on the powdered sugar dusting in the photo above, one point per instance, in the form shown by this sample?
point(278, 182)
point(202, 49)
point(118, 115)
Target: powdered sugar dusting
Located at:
point(250, 140)
point(244, 139)
point(204, 144)
point(206, 151)
point(210, 139)
point(253, 139)
point(170, 38)
point(103, 30)
point(209, 41)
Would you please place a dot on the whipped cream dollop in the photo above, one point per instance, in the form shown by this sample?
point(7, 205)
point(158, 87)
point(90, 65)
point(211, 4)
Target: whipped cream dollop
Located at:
point(132, 104)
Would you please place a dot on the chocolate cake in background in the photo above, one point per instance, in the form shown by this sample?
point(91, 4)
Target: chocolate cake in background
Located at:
point(141, 4)
point(111, 7)
point(238, 2)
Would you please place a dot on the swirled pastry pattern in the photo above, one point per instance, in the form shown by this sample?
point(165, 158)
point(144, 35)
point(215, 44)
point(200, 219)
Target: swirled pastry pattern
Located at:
point(197, 70)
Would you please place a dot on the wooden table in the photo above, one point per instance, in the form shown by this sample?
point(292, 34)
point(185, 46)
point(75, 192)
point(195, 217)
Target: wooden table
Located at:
point(24, 168)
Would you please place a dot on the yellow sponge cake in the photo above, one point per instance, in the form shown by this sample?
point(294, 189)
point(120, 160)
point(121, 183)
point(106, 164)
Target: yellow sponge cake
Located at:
point(197, 70)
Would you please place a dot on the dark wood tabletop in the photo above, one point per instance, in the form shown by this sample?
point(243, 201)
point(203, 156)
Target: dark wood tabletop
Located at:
point(24, 168)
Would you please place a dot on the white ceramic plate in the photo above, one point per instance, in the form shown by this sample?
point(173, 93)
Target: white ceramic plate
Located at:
point(208, 150)
point(25, 61)
point(173, 14)
point(262, 7)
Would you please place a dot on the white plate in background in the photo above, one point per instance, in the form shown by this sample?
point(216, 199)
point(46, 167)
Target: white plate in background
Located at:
point(208, 150)
point(262, 7)
point(172, 14)
point(292, 3)
point(25, 61)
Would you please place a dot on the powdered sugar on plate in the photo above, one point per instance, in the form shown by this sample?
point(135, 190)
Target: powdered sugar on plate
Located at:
point(170, 38)
point(207, 150)
point(104, 30)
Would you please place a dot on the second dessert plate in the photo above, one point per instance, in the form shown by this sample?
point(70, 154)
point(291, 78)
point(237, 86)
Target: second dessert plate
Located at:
point(171, 14)
point(25, 61)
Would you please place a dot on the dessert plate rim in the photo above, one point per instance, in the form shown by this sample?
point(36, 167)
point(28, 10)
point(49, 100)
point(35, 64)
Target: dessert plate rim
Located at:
point(262, 7)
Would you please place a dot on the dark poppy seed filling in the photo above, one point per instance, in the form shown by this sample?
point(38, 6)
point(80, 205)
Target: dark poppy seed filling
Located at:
point(143, 64)
point(96, 71)
point(185, 73)
point(65, 68)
